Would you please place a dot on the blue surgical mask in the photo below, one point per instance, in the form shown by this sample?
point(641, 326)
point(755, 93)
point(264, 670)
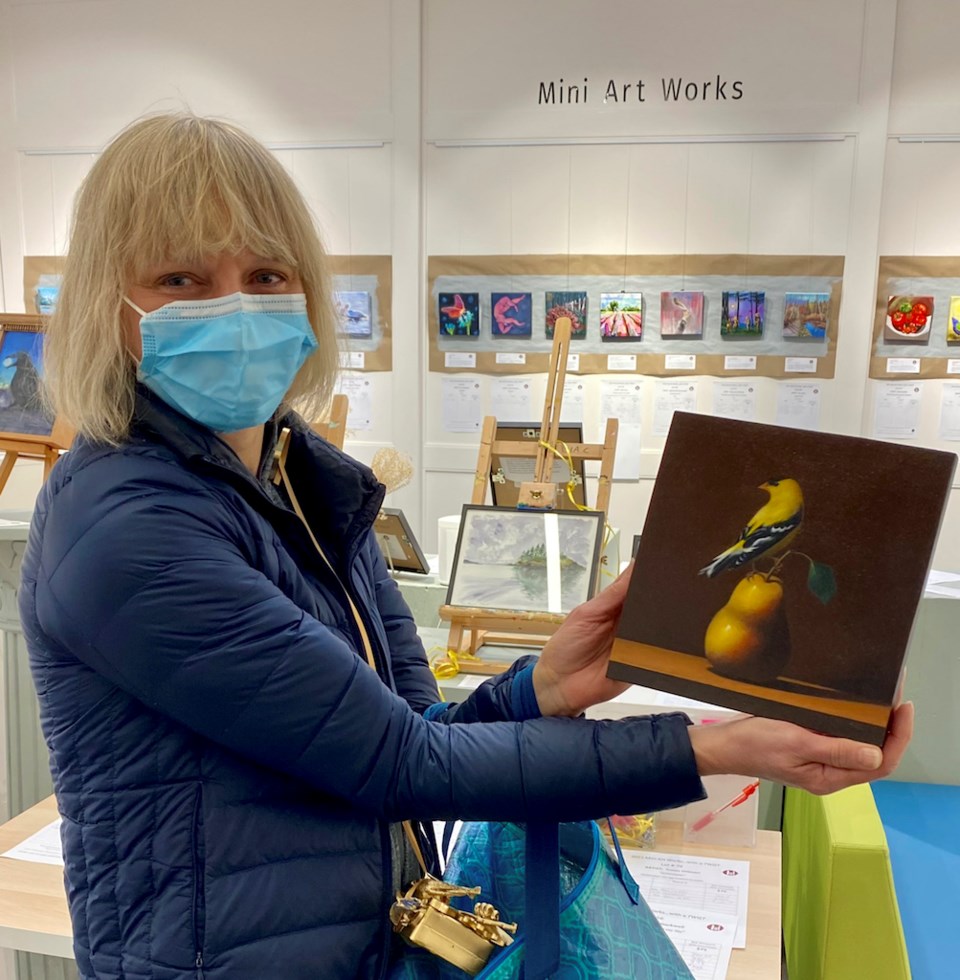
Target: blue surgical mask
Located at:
point(226, 362)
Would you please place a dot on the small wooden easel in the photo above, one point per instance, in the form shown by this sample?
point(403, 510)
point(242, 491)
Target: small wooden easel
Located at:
point(15, 445)
point(334, 427)
point(471, 628)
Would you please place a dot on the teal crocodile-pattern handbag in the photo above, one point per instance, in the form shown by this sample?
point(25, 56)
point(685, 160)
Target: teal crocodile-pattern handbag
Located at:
point(604, 930)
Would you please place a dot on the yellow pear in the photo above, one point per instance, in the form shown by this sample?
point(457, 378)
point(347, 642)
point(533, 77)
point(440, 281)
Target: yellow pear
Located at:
point(748, 637)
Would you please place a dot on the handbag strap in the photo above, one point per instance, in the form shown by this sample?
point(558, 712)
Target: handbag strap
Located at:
point(542, 902)
point(280, 458)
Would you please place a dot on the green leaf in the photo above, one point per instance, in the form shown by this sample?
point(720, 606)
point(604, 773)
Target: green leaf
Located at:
point(822, 582)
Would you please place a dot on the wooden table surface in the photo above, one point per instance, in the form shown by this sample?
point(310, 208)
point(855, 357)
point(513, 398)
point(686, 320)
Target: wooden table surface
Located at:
point(33, 905)
point(761, 958)
point(33, 908)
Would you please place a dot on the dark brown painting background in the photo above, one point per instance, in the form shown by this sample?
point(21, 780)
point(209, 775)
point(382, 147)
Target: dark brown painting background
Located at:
point(872, 512)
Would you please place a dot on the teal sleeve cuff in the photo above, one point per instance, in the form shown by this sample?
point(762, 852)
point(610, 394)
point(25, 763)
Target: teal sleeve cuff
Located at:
point(523, 698)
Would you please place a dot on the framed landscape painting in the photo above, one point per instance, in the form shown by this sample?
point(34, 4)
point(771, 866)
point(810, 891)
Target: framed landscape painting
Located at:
point(777, 575)
point(525, 560)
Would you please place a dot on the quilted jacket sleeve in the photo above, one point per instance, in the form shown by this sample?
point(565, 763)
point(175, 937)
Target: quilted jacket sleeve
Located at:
point(184, 623)
point(497, 699)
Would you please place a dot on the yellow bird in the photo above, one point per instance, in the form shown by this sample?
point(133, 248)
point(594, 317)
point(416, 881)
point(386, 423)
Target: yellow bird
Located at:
point(768, 532)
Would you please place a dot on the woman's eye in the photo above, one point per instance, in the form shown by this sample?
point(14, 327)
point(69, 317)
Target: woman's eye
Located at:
point(176, 280)
point(267, 277)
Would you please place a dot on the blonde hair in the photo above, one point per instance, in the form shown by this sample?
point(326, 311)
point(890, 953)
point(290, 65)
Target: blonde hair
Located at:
point(173, 186)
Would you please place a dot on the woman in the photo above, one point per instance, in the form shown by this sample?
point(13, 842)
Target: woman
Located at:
point(230, 770)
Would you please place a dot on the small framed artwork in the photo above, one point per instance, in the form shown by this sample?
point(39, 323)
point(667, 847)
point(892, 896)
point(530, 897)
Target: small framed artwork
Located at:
point(398, 544)
point(805, 316)
point(741, 314)
point(681, 315)
point(21, 368)
point(353, 313)
point(766, 583)
point(621, 316)
point(525, 560)
point(908, 319)
point(567, 304)
point(459, 314)
point(512, 314)
point(508, 472)
point(953, 321)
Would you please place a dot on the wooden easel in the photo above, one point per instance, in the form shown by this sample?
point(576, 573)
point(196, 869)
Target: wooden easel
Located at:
point(334, 428)
point(15, 445)
point(471, 628)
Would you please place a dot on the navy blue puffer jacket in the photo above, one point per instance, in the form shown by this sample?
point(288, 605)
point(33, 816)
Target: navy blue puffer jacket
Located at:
point(227, 765)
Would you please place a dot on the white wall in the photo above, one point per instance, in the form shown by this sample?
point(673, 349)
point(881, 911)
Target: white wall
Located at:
point(413, 128)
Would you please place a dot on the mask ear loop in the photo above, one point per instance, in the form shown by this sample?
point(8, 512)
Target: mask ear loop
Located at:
point(133, 306)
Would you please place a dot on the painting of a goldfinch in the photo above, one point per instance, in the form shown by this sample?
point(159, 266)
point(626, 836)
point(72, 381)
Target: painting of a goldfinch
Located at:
point(767, 579)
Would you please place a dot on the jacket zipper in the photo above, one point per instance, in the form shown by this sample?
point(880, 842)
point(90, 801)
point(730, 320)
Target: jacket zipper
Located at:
point(197, 887)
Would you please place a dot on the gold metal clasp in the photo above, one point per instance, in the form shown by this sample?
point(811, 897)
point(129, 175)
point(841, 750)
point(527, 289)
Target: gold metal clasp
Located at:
point(424, 917)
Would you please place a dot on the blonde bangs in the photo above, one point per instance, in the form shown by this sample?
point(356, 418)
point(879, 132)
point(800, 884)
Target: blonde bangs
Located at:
point(174, 187)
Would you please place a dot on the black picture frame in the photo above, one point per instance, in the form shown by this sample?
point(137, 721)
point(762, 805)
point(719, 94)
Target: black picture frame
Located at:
point(501, 558)
point(506, 471)
point(399, 545)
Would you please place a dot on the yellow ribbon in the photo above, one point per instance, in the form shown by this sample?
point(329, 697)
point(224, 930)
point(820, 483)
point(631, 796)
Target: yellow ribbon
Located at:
point(565, 454)
point(445, 662)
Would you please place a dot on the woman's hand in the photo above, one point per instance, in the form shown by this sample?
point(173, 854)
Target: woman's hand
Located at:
point(571, 673)
point(788, 754)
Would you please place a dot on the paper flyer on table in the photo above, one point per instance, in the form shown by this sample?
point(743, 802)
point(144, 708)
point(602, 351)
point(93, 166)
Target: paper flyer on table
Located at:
point(694, 884)
point(43, 847)
point(703, 939)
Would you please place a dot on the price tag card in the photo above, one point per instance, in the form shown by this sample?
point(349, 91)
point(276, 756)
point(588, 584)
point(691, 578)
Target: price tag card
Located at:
point(903, 365)
point(953, 365)
point(621, 362)
point(680, 362)
point(454, 359)
point(353, 360)
point(799, 365)
point(740, 363)
point(573, 362)
point(513, 358)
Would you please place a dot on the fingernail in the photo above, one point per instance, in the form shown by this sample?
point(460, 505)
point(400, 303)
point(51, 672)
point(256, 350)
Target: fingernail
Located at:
point(870, 758)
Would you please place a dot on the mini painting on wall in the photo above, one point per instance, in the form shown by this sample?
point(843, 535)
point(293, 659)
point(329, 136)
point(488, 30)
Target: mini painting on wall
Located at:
point(908, 320)
point(21, 366)
point(741, 314)
point(353, 313)
point(805, 316)
point(681, 315)
point(459, 314)
point(621, 316)
point(760, 565)
point(953, 321)
point(512, 314)
point(529, 560)
point(567, 304)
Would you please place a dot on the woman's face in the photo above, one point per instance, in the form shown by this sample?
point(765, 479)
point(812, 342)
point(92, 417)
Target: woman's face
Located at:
point(208, 278)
